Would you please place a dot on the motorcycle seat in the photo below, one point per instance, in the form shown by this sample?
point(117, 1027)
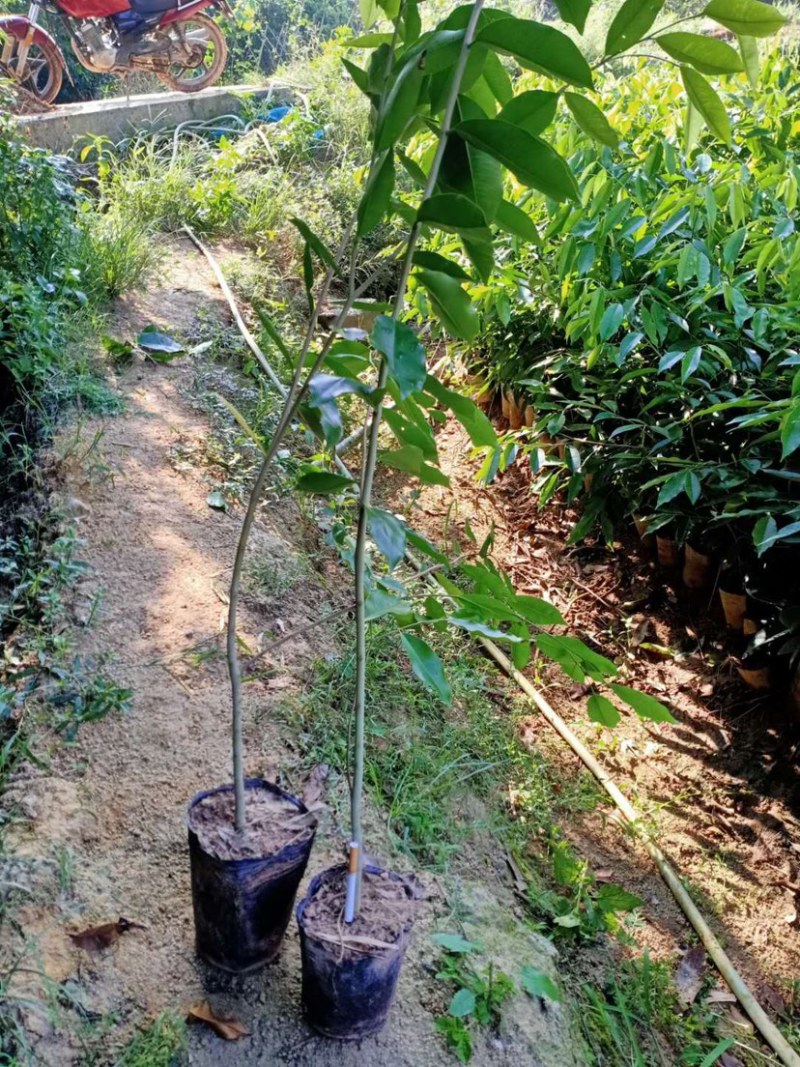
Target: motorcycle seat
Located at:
point(152, 7)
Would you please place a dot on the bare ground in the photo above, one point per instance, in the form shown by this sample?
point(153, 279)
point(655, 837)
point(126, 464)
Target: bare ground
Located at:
point(115, 800)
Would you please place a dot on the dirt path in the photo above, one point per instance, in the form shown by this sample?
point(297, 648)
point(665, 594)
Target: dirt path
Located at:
point(115, 801)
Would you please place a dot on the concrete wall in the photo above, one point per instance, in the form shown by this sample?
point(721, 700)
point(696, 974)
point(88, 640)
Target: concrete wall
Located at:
point(120, 117)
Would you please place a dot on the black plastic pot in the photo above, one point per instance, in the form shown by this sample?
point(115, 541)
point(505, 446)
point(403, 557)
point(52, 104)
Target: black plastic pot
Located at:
point(349, 998)
point(242, 907)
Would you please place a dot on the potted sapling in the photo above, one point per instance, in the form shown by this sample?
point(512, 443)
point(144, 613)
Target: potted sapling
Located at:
point(249, 841)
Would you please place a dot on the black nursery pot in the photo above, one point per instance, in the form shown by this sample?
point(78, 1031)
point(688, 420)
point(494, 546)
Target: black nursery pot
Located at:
point(242, 907)
point(349, 999)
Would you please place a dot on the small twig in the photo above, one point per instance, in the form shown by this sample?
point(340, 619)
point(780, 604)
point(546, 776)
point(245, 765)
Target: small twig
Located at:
point(591, 592)
point(321, 621)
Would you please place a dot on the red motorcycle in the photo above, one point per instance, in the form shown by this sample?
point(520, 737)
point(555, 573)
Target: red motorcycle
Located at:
point(177, 41)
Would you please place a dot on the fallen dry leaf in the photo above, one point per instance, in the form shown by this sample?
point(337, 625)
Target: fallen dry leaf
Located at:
point(228, 1028)
point(726, 1060)
point(689, 975)
point(720, 996)
point(96, 938)
point(740, 1020)
point(773, 999)
point(314, 789)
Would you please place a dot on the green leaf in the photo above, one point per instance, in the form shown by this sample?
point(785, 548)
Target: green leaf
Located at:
point(765, 534)
point(412, 168)
point(470, 172)
point(422, 544)
point(645, 706)
point(322, 482)
point(153, 341)
point(538, 47)
point(403, 351)
point(475, 626)
point(690, 362)
point(359, 76)
point(671, 488)
point(790, 430)
point(521, 651)
point(721, 1046)
point(317, 245)
point(454, 943)
point(427, 666)
point(611, 321)
point(631, 23)
point(451, 211)
point(274, 335)
point(368, 9)
point(462, 1004)
point(538, 984)
point(480, 248)
point(400, 106)
point(451, 304)
point(377, 195)
point(747, 17)
point(369, 40)
point(474, 421)
point(704, 98)
point(574, 657)
point(748, 47)
point(692, 127)
point(532, 111)
point(517, 222)
point(613, 898)
point(379, 603)
point(433, 261)
point(411, 459)
point(216, 500)
point(391, 8)
point(530, 159)
point(574, 12)
point(536, 611)
point(600, 709)
point(326, 387)
point(497, 78)
point(388, 533)
point(706, 54)
point(591, 120)
point(412, 432)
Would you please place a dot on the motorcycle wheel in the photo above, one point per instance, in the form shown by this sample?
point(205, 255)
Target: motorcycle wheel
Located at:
point(209, 49)
point(43, 72)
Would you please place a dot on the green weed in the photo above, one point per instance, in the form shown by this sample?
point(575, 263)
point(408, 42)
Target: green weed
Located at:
point(578, 907)
point(479, 992)
point(634, 1019)
point(159, 1044)
point(117, 253)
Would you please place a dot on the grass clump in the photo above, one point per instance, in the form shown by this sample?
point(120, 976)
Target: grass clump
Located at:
point(159, 1044)
point(634, 1019)
point(443, 776)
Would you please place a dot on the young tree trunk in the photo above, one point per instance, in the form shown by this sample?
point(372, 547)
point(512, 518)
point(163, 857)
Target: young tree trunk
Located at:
point(368, 475)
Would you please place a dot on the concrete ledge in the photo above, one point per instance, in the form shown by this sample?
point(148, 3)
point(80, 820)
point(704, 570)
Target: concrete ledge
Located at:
point(121, 116)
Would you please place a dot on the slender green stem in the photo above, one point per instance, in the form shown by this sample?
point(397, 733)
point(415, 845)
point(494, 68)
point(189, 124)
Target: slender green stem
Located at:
point(293, 400)
point(370, 462)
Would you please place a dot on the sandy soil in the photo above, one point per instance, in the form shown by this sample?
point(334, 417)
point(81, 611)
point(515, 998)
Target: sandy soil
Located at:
point(158, 560)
